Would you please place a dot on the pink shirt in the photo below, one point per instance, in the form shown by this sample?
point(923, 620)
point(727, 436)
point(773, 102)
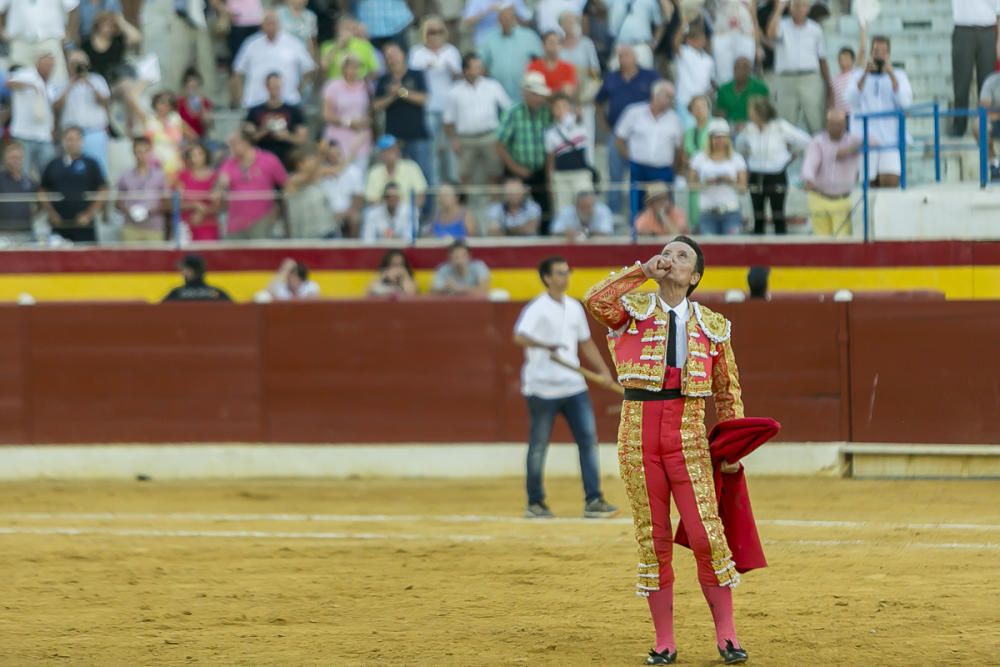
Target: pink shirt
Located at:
point(349, 101)
point(246, 12)
point(194, 189)
point(832, 176)
point(251, 192)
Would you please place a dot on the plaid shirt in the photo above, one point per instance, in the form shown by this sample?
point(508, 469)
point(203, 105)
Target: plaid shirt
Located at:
point(524, 134)
point(384, 18)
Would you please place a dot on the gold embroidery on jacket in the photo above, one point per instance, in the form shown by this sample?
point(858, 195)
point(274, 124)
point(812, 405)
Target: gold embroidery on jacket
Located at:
point(634, 476)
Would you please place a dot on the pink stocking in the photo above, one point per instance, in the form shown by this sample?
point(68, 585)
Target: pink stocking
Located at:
point(661, 607)
point(720, 601)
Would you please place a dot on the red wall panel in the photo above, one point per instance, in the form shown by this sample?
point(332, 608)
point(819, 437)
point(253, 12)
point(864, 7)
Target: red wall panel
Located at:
point(14, 409)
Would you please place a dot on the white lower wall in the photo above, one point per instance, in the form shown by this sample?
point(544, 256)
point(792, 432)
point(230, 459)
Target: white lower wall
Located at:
point(945, 211)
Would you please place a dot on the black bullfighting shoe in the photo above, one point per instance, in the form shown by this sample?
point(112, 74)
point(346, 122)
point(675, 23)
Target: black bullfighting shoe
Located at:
point(732, 655)
point(665, 658)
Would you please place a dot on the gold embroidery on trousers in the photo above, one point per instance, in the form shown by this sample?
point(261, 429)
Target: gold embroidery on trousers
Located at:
point(634, 476)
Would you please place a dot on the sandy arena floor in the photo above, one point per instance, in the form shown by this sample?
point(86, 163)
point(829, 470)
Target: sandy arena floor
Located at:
point(445, 573)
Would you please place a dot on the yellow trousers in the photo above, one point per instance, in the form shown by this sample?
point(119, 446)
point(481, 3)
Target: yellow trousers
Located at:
point(830, 217)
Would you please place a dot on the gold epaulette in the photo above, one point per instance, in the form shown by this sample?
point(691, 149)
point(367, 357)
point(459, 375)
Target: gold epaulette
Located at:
point(640, 305)
point(716, 327)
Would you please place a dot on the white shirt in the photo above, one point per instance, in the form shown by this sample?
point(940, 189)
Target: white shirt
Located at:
point(733, 16)
point(36, 20)
point(81, 107)
point(799, 47)
point(378, 224)
point(766, 150)
point(651, 141)
point(547, 13)
point(475, 108)
point(259, 57)
point(975, 12)
point(31, 108)
point(682, 311)
point(341, 190)
point(552, 322)
point(718, 197)
point(440, 70)
point(307, 290)
point(695, 70)
point(632, 21)
point(601, 221)
point(878, 95)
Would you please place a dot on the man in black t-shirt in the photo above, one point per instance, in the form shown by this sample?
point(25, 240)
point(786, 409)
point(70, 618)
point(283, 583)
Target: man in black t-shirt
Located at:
point(276, 126)
point(192, 269)
point(80, 181)
point(402, 94)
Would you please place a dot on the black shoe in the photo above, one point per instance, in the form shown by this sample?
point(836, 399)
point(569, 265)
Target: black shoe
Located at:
point(665, 658)
point(732, 655)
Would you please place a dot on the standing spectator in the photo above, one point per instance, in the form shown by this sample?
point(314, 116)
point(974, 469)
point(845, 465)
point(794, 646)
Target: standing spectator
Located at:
point(307, 209)
point(164, 128)
point(974, 41)
point(347, 112)
point(192, 269)
point(549, 13)
point(244, 18)
point(651, 137)
point(393, 168)
point(83, 102)
point(441, 64)
point(629, 85)
point(394, 277)
point(722, 175)
point(516, 215)
point(277, 126)
point(579, 50)
point(32, 121)
point(696, 141)
point(250, 177)
point(80, 183)
point(402, 95)
point(584, 219)
point(765, 143)
point(292, 283)
point(695, 68)
point(194, 108)
point(660, 217)
point(507, 50)
point(392, 219)
point(471, 117)
point(566, 141)
point(385, 20)
point(882, 88)
point(88, 11)
point(16, 216)
point(106, 44)
point(849, 71)
point(521, 140)
point(483, 16)
point(300, 23)
point(37, 28)
point(347, 41)
point(802, 82)
point(639, 24)
point(733, 96)
point(271, 50)
point(195, 183)
point(177, 34)
point(344, 186)
point(736, 35)
point(830, 172)
point(990, 99)
point(560, 75)
point(142, 197)
point(461, 275)
point(451, 218)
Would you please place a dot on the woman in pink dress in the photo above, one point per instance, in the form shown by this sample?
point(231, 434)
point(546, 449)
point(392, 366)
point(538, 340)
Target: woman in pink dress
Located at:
point(195, 184)
point(347, 112)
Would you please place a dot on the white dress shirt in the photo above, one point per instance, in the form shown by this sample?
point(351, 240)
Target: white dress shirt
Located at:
point(695, 71)
point(82, 108)
point(440, 69)
point(652, 141)
point(799, 47)
point(979, 13)
point(31, 107)
point(341, 190)
point(36, 20)
point(683, 312)
point(766, 149)
point(552, 322)
point(878, 95)
point(474, 108)
point(380, 224)
point(259, 57)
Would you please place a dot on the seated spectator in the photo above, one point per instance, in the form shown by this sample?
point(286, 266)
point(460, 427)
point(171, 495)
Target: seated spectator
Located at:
point(402, 94)
point(277, 127)
point(520, 140)
point(451, 219)
point(566, 144)
point(507, 50)
point(395, 277)
point(249, 176)
point(78, 179)
point(300, 23)
point(271, 50)
point(194, 108)
point(385, 21)
point(192, 269)
point(105, 46)
point(31, 120)
point(348, 41)
point(292, 283)
point(83, 102)
point(196, 182)
point(347, 112)
point(757, 279)
point(16, 216)
point(461, 275)
point(731, 102)
point(721, 174)
point(695, 67)
point(584, 219)
point(306, 207)
point(830, 172)
point(164, 129)
point(392, 168)
point(483, 17)
point(344, 187)
point(142, 197)
point(392, 219)
point(560, 75)
point(660, 217)
point(516, 215)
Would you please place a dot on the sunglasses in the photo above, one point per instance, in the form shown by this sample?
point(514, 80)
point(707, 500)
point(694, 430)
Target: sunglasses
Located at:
point(435, 31)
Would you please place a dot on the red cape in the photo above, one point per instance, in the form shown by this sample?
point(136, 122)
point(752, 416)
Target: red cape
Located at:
point(730, 441)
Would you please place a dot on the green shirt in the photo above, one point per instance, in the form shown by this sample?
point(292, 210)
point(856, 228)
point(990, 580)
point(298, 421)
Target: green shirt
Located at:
point(732, 105)
point(359, 47)
point(524, 134)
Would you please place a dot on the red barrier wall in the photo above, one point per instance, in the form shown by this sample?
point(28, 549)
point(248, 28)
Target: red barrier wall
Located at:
point(447, 371)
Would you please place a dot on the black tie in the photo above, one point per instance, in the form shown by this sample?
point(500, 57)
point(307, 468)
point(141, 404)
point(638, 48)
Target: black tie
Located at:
point(672, 340)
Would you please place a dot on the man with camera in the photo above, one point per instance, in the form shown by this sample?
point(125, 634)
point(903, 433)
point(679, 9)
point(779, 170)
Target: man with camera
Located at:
point(881, 88)
point(83, 102)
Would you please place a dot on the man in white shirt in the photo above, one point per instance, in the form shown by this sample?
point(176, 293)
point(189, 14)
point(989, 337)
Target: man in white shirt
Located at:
point(271, 51)
point(802, 81)
point(83, 102)
point(974, 41)
point(651, 137)
point(584, 219)
point(343, 185)
point(392, 219)
point(32, 121)
point(881, 88)
point(638, 23)
point(36, 27)
point(554, 323)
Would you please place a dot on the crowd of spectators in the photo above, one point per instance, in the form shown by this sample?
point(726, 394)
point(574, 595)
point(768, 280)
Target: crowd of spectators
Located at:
point(387, 119)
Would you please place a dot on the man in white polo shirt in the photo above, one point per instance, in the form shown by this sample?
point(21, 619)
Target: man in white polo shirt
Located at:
point(270, 51)
point(974, 41)
point(554, 322)
point(802, 77)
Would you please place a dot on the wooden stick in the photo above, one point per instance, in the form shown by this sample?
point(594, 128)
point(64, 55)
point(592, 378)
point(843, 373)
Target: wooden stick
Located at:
point(589, 375)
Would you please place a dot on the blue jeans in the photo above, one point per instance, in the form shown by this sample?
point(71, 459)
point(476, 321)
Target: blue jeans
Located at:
point(641, 173)
point(616, 175)
point(579, 415)
point(443, 162)
point(730, 222)
point(95, 144)
point(420, 150)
